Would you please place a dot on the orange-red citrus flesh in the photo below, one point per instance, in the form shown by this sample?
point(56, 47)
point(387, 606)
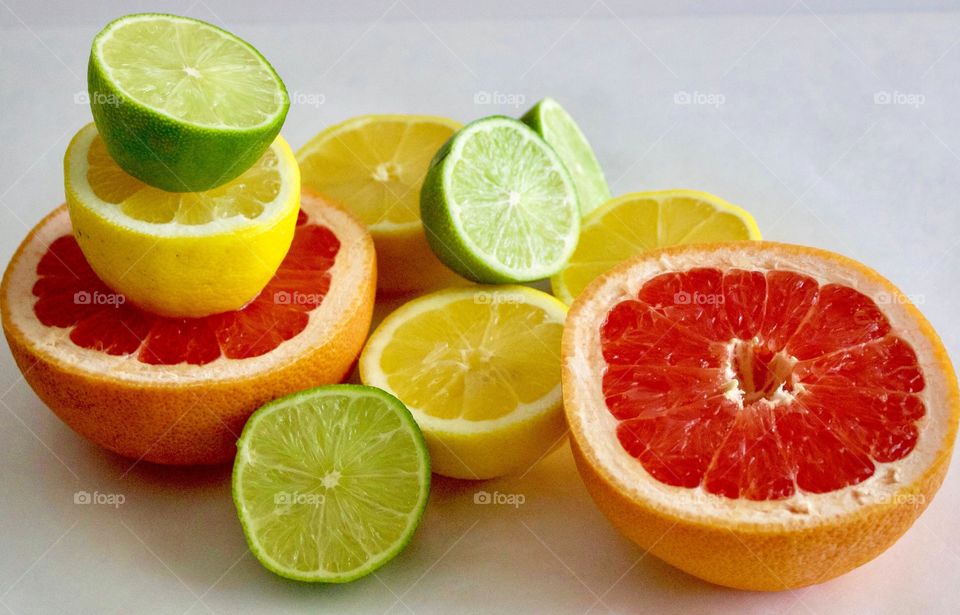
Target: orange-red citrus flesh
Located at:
point(782, 414)
point(178, 390)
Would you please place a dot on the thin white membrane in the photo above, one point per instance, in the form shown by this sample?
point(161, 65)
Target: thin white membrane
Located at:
point(598, 426)
point(53, 343)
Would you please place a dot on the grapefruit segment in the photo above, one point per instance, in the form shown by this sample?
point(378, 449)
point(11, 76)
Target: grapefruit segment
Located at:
point(758, 414)
point(178, 390)
point(840, 318)
point(69, 294)
point(790, 296)
point(664, 350)
point(693, 299)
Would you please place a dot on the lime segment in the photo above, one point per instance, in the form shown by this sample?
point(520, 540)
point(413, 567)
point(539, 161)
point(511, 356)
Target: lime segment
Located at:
point(330, 483)
point(498, 204)
point(554, 124)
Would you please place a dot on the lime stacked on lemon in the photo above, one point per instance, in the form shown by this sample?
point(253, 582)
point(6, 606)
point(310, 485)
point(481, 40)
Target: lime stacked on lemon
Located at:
point(183, 197)
point(181, 104)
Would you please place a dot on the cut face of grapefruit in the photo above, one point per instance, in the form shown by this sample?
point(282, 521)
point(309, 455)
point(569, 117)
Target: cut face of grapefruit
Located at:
point(178, 390)
point(786, 397)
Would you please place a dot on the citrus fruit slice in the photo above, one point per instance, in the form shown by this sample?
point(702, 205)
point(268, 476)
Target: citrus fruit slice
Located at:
point(554, 124)
point(635, 223)
point(479, 368)
point(498, 204)
point(178, 390)
point(182, 105)
point(330, 483)
point(375, 165)
point(760, 415)
point(182, 254)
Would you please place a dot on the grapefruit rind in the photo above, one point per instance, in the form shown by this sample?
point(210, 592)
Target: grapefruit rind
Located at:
point(185, 414)
point(770, 544)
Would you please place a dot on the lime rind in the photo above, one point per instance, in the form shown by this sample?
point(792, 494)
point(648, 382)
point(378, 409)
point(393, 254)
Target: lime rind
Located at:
point(172, 151)
point(498, 204)
point(552, 122)
point(313, 430)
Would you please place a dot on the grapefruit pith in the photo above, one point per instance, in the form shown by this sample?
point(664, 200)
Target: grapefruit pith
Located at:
point(760, 415)
point(178, 390)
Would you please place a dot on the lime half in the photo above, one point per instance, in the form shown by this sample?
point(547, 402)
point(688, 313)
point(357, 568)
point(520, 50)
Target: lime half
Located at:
point(330, 483)
point(498, 205)
point(554, 124)
point(181, 104)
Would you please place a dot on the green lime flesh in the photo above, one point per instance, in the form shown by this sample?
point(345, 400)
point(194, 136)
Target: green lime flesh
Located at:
point(330, 483)
point(498, 205)
point(556, 126)
point(181, 104)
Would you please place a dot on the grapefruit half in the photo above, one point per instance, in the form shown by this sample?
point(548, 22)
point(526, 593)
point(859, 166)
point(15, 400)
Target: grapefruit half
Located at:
point(760, 415)
point(178, 390)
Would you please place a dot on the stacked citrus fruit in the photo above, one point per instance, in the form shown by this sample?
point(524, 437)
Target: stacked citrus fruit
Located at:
point(187, 281)
point(763, 416)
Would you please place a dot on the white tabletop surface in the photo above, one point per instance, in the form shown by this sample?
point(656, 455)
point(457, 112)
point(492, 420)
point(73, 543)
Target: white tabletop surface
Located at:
point(835, 128)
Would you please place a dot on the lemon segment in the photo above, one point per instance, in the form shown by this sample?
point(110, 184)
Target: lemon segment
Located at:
point(374, 165)
point(479, 368)
point(642, 221)
point(186, 254)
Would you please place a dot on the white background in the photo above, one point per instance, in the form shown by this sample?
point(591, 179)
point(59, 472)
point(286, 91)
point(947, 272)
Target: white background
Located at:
point(784, 120)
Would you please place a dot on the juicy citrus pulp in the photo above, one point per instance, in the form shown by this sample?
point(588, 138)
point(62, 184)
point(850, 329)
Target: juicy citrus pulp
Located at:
point(784, 411)
point(498, 204)
point(554, 124)
point(330, 483)
point(178, 390)
point(182, 105)
point(182, 254)
point(634, 223)
point(758, 384)
point(374, 165)
point(479, 369)
point(69, 294)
